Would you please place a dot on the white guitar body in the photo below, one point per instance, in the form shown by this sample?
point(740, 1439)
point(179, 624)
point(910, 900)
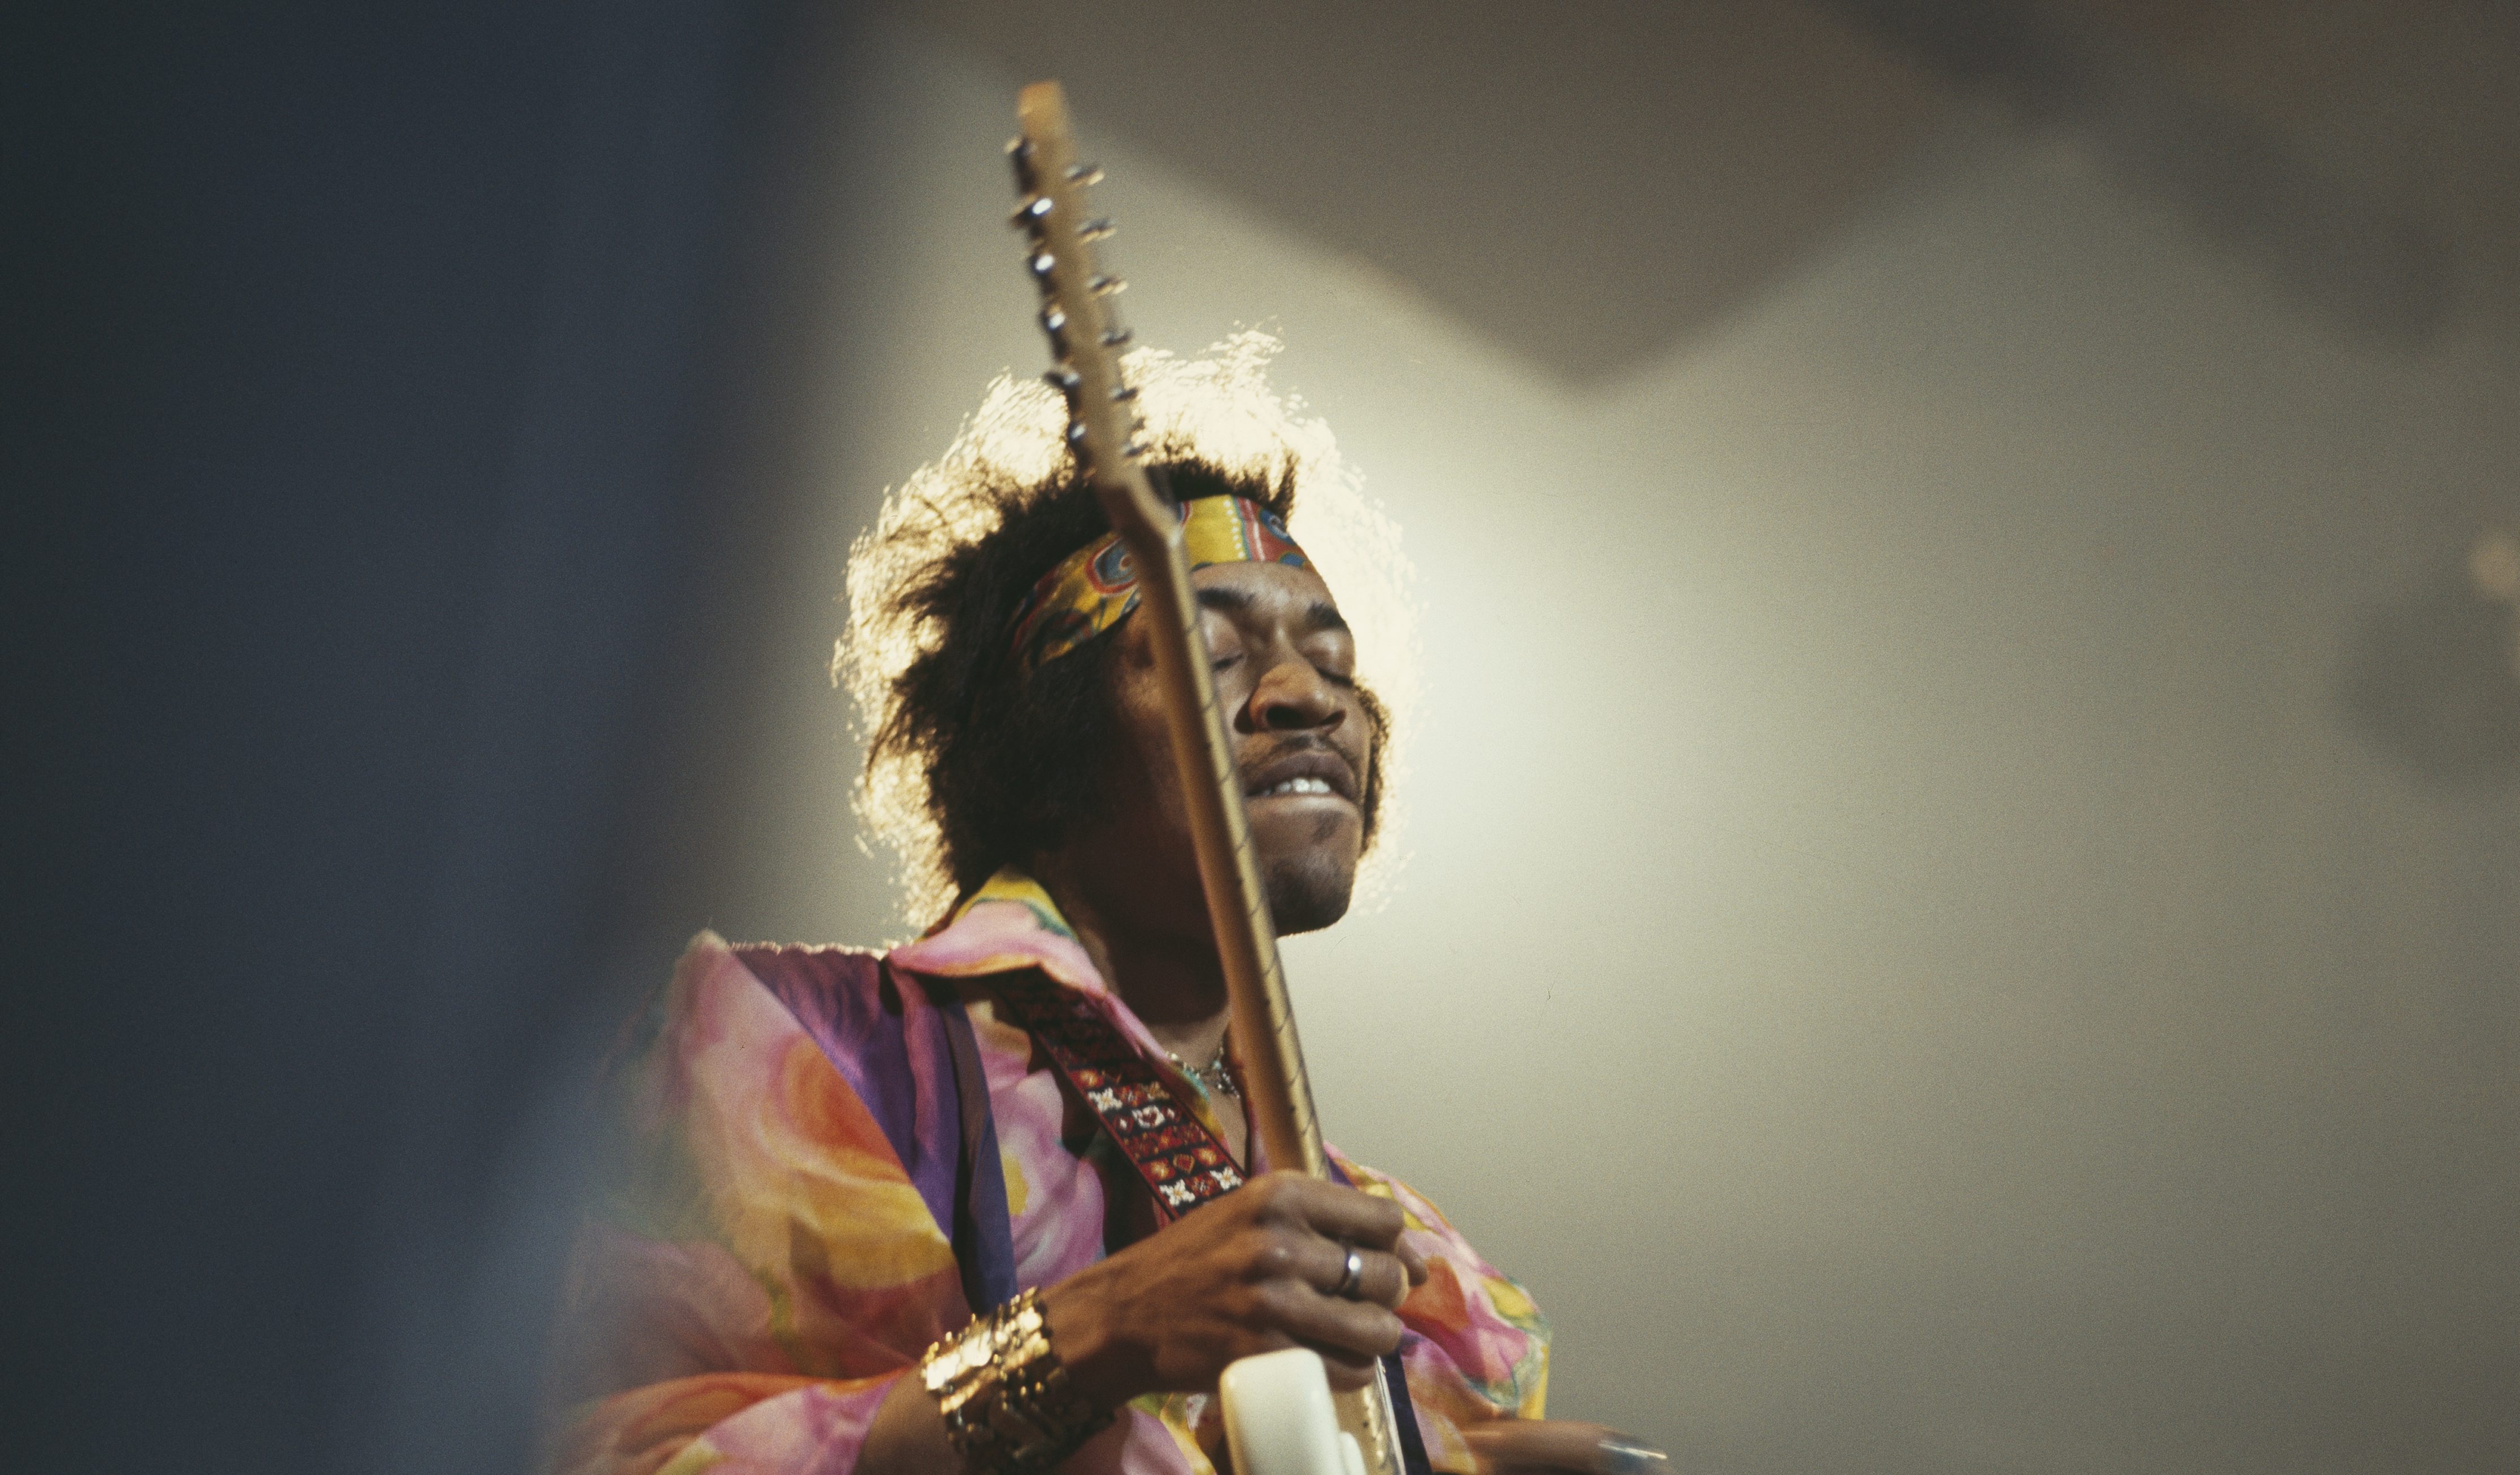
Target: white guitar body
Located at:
point(1279, 1421)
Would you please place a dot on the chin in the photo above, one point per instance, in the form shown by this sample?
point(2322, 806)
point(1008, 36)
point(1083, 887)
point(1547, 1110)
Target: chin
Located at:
point(1308, 893)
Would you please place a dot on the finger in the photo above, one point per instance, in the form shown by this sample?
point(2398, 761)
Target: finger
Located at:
point(1529, 1446)
point(1626, 1455)
point(1360, 1330)
point(1348, 1367)
point(1347, 1372)
point(1413, 1261)
point(1381, 1277)
point(1336, 1211)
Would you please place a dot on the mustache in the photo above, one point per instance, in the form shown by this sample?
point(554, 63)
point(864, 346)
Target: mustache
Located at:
point(1289, 744)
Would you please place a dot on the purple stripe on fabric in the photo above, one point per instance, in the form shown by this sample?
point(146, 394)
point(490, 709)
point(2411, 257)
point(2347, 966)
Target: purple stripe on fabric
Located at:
point(984, 1237)
point(890, 1043)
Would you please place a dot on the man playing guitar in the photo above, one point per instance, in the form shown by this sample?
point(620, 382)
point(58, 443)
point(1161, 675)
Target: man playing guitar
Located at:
point(993, 1202)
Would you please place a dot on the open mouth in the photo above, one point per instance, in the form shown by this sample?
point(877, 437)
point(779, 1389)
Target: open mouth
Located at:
point(1315, 773)
point(1295, 787)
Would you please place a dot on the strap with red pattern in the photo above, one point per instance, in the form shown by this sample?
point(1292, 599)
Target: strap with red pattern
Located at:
point(1181, 1160)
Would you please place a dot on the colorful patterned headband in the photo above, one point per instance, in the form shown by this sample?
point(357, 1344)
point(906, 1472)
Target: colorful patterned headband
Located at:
point(1095, 587)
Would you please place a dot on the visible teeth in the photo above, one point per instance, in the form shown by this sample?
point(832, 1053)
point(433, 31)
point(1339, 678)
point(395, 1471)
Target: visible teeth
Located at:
point(1297, 787)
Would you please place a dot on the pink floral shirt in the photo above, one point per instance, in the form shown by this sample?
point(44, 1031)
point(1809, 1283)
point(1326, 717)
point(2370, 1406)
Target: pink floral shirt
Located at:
point(766, 1263)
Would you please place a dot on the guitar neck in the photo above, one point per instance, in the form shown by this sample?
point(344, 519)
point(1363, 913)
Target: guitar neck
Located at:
point(1086, 336)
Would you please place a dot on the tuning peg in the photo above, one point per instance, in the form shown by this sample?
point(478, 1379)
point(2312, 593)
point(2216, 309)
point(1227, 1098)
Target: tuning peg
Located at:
point(1106, 287)
point(1085, 175)
point(1034, 210)
point(1114, 336)
point(1064, 380)
point(1099, 228)
point(1124, 394)
point(1052, 321)
point(1020, 154)
point(1041, 263)
point(1076, 433)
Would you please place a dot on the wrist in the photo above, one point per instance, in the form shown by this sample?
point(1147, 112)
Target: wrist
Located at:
point(1097, 1359)
point(1005, 1395)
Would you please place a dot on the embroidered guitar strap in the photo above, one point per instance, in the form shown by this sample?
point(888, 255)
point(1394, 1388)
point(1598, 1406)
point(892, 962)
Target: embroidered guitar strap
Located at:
point(1181, 1160)
point(1178, 1158)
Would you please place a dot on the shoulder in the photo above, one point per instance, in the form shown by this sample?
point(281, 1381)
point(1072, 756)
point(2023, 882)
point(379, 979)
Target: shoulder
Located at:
point(846, 1038)
point(710, 960)
point(731, 1011)
point(765, 1070)
point(820, 985)
point(755, 1213)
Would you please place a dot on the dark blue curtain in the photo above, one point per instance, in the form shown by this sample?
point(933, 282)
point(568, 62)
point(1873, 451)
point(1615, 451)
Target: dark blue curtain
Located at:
point(364, 366)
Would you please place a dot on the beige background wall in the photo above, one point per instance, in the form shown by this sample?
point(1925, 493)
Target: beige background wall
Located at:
point(1903, 947)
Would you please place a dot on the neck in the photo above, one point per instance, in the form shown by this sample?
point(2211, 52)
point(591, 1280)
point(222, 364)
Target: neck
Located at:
point(1170, 979)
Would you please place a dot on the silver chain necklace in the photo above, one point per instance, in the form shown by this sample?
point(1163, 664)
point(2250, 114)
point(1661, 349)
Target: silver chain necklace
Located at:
point(1214, 1078)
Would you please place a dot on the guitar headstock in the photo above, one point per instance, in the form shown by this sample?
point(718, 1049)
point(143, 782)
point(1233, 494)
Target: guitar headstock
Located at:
point(1086, 338)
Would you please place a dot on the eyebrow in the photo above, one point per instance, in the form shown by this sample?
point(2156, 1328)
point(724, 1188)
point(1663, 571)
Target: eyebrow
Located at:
point(1318, 616)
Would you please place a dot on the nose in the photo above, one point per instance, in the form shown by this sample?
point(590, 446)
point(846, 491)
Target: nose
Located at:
point(1292, 696)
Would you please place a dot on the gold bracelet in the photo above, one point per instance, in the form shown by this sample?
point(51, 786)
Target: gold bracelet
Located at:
point(1003, 1392)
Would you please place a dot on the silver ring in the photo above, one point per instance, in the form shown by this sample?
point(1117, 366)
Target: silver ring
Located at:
point(1355, 1276)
